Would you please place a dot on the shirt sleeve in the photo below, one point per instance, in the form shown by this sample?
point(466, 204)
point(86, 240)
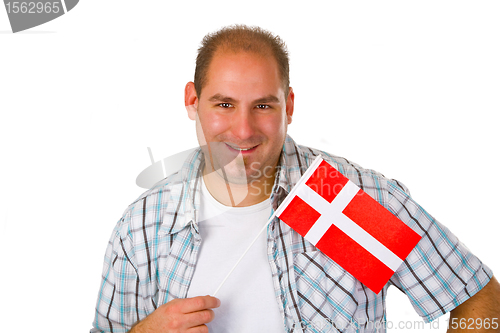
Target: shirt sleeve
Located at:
point(440, 273)
point(118, 302)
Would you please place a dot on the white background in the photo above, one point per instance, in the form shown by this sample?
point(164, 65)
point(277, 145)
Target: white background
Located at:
point(408, 89)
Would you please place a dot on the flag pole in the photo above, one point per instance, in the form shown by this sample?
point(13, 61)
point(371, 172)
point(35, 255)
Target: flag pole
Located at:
point(305, 176)
point(244, 253)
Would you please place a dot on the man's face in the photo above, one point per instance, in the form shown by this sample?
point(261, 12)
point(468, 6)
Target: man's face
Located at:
point(242, 114)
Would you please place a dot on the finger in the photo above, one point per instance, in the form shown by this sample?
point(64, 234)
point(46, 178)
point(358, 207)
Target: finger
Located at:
point(198, 329)
point(198, 318)
point(198, 303)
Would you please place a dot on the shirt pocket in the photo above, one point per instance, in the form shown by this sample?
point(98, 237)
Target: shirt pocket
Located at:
point(326, 293)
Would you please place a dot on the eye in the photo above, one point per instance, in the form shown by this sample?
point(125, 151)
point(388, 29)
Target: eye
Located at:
point(225, 105)
point(263, 106)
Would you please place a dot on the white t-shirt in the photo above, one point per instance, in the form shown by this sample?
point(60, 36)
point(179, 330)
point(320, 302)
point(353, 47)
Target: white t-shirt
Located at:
point(248, 302)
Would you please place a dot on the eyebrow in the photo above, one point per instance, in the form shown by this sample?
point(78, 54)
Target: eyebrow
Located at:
point(221, 98)
point(267, 99)
point(225, 99)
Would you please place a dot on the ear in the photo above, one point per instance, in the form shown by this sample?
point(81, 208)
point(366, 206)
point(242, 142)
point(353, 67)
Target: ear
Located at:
point(190, 100)
point(289, 105)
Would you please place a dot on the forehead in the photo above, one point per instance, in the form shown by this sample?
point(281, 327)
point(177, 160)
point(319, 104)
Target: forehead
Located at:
point(239, 72)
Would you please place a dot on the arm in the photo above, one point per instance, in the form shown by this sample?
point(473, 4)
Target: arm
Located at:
point(482, 308)
point(120, 299)
point(118, 303)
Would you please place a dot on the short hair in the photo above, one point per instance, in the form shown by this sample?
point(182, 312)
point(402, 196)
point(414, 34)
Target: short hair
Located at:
point(241, 38)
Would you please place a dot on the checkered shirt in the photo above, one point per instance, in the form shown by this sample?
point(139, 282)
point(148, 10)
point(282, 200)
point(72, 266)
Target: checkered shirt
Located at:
point(152, 253)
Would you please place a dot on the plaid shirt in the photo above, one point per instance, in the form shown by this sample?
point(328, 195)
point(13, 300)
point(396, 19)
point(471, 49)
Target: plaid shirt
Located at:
point(152, 253)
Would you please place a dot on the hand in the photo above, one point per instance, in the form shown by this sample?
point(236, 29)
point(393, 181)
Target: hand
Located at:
point(180, 315)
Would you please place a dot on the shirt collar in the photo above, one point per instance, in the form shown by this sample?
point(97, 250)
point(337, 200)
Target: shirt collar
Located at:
point(184, 199)
point(293, 163)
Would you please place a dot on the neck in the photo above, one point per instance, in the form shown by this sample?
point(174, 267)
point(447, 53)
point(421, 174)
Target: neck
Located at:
point(238, 195)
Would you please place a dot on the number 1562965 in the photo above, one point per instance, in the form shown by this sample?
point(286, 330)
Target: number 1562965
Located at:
point(16, 7)
point(472, 324)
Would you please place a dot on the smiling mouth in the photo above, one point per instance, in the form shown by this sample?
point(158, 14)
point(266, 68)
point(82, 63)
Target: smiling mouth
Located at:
point(240, 149)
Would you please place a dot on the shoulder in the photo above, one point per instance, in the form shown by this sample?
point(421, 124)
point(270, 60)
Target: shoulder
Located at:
point(152, 202)
point(373, 182)
point(165, 208)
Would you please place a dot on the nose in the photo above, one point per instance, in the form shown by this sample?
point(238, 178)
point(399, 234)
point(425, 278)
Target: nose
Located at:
point(243, 125)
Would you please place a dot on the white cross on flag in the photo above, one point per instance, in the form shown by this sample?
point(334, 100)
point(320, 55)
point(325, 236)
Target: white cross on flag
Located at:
point(347, 225)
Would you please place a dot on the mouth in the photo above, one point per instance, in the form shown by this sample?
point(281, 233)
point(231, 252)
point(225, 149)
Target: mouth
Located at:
point(243, 150)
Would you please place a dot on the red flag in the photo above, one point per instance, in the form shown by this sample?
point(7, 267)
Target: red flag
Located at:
point(347, 225)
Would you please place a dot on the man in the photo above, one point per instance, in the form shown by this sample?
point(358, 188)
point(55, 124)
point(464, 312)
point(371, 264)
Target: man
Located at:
point(175, 244)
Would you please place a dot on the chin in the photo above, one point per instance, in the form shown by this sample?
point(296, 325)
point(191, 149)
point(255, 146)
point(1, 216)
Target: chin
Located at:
point(234, 173)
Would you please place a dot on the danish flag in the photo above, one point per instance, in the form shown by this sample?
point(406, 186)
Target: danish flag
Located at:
point(347, 225)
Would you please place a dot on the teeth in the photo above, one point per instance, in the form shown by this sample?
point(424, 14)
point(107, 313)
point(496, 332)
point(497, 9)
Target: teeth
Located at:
point(241, 149)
